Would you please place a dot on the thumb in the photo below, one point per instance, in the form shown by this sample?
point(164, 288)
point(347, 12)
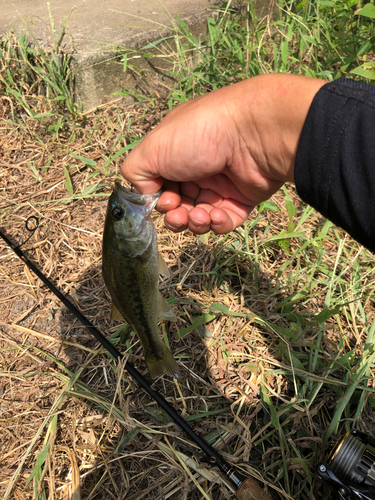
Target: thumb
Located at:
point(140, 176)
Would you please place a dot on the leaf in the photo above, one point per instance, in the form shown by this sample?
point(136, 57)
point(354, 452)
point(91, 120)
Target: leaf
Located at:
point(126, 331)
point(39, 486)
point(127, 439)
point(346, 358)
point(327, 313)
point(122, 151)
point(39, 463)
point(365, 47)
point(89, 190)
point(190, 418)
point(365, 73)
point(291, 209)
point(185, 29)
point(285, 245)
point(68, 184)
point(267, 205)
point(295, 362)
point(367, 11)
point(284, 52)
point(370, 336)
point(198, 321)
point(361, 371)
point(43, 115)
point(155, 44)
point(86, 161)
point(217, 307)
point(212, 31)
point(309, 39)
point(284, 236)
point(160, 414)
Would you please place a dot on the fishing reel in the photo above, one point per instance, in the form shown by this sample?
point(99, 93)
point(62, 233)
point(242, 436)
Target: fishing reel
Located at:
point(350, 468)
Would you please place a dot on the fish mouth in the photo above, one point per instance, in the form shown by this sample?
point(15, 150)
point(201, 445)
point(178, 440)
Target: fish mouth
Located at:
point(136, 197)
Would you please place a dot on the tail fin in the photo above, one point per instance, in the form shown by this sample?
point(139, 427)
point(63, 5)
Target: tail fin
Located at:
point(164, 363)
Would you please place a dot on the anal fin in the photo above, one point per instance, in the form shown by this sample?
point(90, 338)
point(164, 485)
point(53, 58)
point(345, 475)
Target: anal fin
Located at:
point(163, 268)
point(165, 312)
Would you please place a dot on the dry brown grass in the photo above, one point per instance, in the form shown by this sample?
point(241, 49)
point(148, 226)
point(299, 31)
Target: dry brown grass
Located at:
point(250, 360)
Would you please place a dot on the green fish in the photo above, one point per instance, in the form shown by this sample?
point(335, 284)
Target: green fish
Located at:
point(131, 267)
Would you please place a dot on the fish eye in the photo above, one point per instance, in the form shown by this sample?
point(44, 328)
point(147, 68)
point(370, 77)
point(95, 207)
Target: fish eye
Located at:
point(117, 213)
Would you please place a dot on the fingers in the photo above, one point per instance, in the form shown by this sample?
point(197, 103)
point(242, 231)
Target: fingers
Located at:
point(200, 210)
point(201, 221)
point(176, 194)
point(170, 198)
point(223, 222)
point(177, 220)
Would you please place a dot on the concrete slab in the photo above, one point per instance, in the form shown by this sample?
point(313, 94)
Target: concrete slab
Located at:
point(97, 28)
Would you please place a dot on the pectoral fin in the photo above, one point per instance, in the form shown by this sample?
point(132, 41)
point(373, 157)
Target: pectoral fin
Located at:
point(165, 312)
point(116, 314)
point(163, 268)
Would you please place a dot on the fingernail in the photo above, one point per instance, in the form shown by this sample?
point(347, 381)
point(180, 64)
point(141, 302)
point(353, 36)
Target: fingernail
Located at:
point(166, 206)
point(175, 225)
point(197, 223)
point(216, 222)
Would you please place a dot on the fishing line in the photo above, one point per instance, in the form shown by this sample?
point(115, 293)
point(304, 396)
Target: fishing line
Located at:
point(247, 488)
point(29, 227)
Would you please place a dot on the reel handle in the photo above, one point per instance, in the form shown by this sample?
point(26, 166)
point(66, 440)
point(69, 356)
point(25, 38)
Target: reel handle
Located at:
point(250, 490)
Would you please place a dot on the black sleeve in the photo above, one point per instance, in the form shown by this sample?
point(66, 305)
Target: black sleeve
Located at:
point(335, 162)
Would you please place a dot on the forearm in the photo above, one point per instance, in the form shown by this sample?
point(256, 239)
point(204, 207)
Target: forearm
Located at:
point(335, 162)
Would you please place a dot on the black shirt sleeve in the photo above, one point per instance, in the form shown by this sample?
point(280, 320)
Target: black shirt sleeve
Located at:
point(335, 163)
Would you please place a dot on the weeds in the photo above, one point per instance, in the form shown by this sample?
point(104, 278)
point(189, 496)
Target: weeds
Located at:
point(276, 321)
point(321, 39)
point(30, 72)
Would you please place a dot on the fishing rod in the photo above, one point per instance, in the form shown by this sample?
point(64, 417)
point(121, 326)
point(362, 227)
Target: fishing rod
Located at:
point(247, 488)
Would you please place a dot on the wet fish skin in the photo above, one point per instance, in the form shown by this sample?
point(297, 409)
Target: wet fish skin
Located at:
point(131, 267)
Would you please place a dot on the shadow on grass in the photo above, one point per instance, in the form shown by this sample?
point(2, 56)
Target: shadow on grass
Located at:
point(245, 371)
point(246, 382)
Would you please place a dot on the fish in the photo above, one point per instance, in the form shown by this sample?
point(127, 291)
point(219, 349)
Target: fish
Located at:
point(131, 264)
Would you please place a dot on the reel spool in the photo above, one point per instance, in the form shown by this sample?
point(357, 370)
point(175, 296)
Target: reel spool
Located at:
point(353, 460)
point(350, 467)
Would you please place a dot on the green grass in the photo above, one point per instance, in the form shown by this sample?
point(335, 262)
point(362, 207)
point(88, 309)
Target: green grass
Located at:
point(30, 71)
point(286, 300)
point(322, 39)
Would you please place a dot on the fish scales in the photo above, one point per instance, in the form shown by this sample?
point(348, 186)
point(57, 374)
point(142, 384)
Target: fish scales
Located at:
point(138, 298)
point(131, 268)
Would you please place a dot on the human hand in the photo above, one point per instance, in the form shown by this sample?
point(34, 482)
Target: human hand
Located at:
point(220, 155)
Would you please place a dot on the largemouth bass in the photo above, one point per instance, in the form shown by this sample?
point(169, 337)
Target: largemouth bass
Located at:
point(131, 267)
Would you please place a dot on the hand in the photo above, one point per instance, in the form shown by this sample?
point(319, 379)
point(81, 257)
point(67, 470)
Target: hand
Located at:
point(220, 155)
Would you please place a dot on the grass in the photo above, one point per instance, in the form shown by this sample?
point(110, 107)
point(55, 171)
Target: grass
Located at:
point(276, 321)
point(322, 39)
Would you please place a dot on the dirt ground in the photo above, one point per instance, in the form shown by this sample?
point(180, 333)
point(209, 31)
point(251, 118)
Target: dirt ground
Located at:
point(70, 425)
